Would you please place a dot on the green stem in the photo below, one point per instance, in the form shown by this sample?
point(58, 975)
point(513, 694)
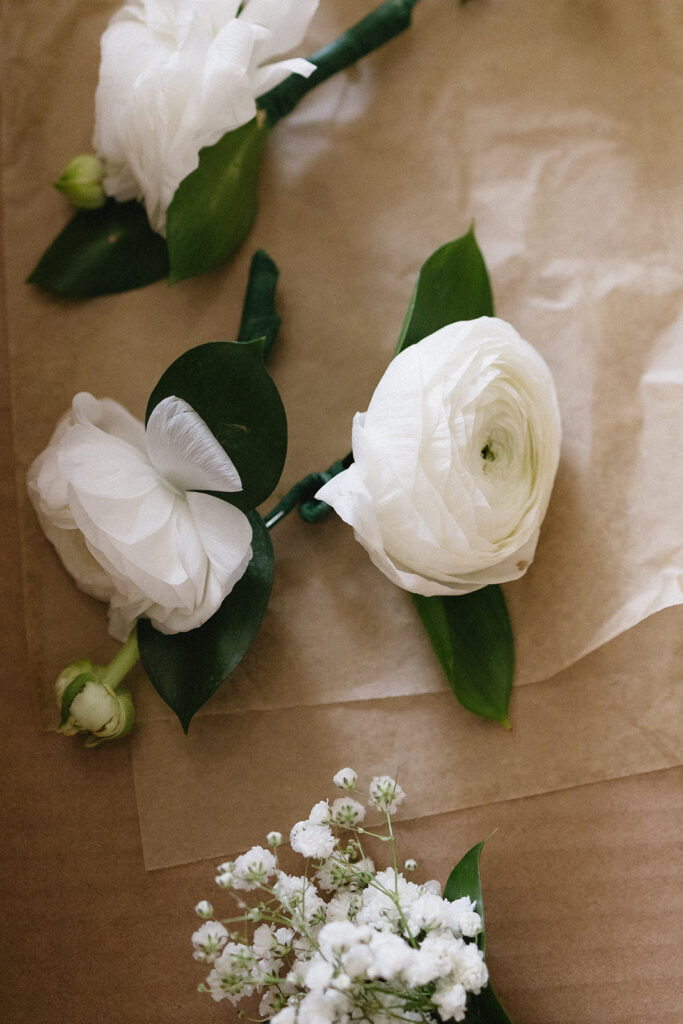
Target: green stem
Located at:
point(303, 494)
point(122, 663)
point(386, 21)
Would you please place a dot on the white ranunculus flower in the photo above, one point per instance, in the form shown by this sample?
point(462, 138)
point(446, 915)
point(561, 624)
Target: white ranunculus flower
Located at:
point(454, 461)
point(122, 508)
point(175, 76)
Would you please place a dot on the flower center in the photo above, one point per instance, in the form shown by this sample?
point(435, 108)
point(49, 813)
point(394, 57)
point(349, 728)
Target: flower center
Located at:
point(497, 453)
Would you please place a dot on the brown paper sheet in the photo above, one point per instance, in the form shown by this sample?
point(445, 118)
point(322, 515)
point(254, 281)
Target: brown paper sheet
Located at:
point(557, 128)
point(597, 720)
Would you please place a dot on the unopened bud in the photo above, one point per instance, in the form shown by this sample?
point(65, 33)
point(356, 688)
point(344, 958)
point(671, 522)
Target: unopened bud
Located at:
point(204, 909)
point(81, 182)
point(90, 706)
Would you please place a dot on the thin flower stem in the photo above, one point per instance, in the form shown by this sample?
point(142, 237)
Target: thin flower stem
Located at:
point(386, 21)
point(303, 495)
point(122, 663)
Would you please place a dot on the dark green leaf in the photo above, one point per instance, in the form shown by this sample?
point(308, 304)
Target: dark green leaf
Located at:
point(452, 285)
point(260, 319)
point(99, 252)
point(465, 880)
point(187, 668)
point(214, 207)
point(472, 638)
point(485, 1008)
point(227, 383)
point(75, 687)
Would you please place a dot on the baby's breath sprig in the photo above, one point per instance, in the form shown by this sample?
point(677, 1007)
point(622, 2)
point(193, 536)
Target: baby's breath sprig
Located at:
point(342, 940)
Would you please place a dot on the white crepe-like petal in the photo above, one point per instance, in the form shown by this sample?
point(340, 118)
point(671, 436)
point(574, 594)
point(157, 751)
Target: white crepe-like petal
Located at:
point(183, 450)
point(124, 522)
point(454, 461)
point(175, 76)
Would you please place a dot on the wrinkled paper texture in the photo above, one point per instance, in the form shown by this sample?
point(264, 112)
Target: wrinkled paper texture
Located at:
point(556, 128)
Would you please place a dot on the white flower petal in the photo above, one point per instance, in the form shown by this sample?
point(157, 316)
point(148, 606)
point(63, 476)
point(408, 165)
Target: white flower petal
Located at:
point(225, 533)
point(183, 450)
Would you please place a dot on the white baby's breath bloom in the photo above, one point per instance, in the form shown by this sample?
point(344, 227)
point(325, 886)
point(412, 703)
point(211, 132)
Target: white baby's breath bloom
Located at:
point(454, 461)
point(121, 503)
point(340, 871)
point(175, 76)
point(299, 897)
point(320, 813)
point(268, 941)
point(319, 973)
point(312, 840)
point(253, 868)
point(470, 923)
point(379, 900)
point(274, 839)
point(346, 778)
point(450, 1000)
point(347, 812)
point(433, 885)
point(385, 793)
point(209, 940)
point(231, 974)
point(391, 956)
point(342, 906)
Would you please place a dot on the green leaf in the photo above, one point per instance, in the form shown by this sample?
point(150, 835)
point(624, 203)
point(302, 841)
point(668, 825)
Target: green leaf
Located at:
point(465, 880)
point(452, 285)
point(99, 252)
point(214, 207)
point(260, 319)
point(187, 668)
point(227, 383)
point(485, 1008)
point(472, 638)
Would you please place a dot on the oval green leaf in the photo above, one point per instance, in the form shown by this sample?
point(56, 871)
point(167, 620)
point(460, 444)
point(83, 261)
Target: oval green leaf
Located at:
point(227, 383)
point(472, 638)
point(452, 285)
point(465, 880)
point(187, 668)
point(214, 207)
point(103, 251)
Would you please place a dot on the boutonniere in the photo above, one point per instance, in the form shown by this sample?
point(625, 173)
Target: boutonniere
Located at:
point(188, 93)
point(345, 940)
point(453, 466)
point(158, 519)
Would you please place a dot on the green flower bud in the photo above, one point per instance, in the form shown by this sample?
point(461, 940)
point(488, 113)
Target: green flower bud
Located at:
point(81, 182)
point(91, 706)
